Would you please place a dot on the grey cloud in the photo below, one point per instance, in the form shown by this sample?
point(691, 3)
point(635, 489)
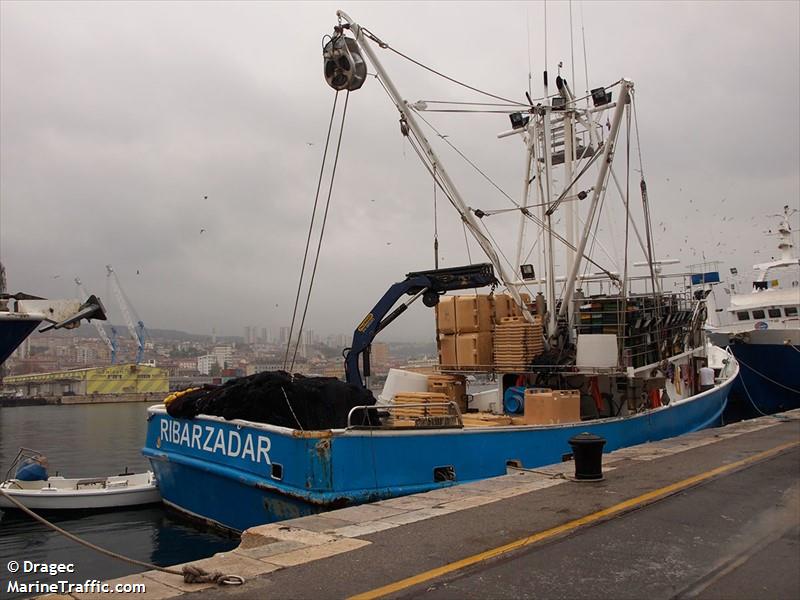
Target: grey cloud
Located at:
point(118, 119)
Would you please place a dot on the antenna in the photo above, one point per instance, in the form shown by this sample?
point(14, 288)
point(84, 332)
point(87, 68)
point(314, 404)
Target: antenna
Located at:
point(585, 62)
point(571, 45)
point(528, 27)
point(545, 47)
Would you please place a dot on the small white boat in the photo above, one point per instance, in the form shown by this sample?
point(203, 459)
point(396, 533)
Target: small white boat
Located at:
point(61, 493)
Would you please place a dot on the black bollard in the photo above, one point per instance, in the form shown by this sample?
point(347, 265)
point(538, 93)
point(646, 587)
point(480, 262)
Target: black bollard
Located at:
point(587, 450)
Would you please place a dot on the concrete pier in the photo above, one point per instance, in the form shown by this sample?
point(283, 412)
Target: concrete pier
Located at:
point(713, 514)
point(151, 397)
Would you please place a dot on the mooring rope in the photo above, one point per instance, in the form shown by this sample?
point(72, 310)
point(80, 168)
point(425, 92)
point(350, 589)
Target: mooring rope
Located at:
point(190, 573)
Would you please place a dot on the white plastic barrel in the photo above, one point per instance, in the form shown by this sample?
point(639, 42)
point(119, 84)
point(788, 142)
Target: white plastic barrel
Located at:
point(399, 380)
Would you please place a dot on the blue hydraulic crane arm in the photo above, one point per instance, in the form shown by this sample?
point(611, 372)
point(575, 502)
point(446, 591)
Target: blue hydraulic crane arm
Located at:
point(428, 284)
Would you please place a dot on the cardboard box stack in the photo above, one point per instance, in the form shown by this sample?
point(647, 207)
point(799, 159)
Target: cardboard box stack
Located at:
point(464, 325)
point(452, 386)
point(505, 306)
point(547, 407)
point(467, 325)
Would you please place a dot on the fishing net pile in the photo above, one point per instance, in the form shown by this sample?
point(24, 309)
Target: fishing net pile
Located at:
point(278, 398)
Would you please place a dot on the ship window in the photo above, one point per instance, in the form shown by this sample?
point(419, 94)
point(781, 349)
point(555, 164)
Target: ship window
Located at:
point(743, 315)
point(758, 314)
point(774, 313)
point(277, 471)
point(791, 311)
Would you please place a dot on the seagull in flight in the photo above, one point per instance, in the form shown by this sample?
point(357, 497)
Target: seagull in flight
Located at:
point(202, 230)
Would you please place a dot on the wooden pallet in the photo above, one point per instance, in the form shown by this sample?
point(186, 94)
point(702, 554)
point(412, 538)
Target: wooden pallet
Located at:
point(437, 408)
point(485, 420)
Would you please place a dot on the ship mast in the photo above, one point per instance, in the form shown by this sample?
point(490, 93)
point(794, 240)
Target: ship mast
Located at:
point(626, 85)
point(458, 201)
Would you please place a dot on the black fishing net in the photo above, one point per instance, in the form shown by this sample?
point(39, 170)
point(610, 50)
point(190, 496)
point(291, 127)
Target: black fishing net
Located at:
point(278, 398)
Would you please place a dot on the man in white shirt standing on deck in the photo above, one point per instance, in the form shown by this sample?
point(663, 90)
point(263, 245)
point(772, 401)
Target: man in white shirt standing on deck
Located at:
point(706, 378)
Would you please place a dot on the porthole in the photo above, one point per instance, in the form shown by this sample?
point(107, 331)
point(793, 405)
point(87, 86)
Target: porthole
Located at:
point(447, 473)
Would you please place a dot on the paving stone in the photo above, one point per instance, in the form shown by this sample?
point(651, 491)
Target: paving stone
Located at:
point(365, 512)
point(277, 547)
point(471, 502)
point(285, 532)
point(233, 563)
point(253, 541)
point(305, 555)
point(489, 485)
point(318, 523)
point(447, 494)
point(153, 590)
point(412, 502)
point(359, 529)
point(175, 581)
point(409, 517)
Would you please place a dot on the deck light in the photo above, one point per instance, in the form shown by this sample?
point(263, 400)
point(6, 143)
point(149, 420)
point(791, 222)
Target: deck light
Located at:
point(518, 120)
point(600, 96)
point(527, 272)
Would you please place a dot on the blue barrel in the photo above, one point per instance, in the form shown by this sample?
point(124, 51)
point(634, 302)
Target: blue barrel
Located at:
point(514, 400)
point(31, 470)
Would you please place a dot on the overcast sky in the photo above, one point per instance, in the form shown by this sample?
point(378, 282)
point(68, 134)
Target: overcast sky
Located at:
point(128, 128)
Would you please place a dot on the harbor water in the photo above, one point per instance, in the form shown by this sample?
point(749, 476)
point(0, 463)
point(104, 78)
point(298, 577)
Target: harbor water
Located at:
point(90, 441)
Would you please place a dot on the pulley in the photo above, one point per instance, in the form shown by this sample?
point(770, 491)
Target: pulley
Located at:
point(345, 68)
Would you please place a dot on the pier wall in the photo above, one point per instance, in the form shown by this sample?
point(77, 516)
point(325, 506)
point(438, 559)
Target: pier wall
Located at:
point(152, 398)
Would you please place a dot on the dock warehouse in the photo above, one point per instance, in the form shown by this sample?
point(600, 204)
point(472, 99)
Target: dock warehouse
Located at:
point(116, 379)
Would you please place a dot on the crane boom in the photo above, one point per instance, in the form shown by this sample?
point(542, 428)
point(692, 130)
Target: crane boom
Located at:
point(101, 332)
point(136, 329)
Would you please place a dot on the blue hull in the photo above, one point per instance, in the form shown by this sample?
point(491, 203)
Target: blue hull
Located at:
point(12, 334)
point(769, 378)
point(239, 474)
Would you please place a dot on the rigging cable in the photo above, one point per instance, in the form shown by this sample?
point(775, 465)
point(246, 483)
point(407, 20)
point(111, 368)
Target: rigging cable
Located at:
point(466, 240)
point(426, 162)
point(469, 162)
point(386, 46)
point(310, 229)
point(322, 229)
point(516, 204)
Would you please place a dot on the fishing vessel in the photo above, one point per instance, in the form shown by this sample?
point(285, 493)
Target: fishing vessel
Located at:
point(21, 314)
point(762, 330)
point(595, 348)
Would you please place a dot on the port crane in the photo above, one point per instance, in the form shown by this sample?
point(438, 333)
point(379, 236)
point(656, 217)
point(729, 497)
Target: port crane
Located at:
point(137, 329)
point(112, 342)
